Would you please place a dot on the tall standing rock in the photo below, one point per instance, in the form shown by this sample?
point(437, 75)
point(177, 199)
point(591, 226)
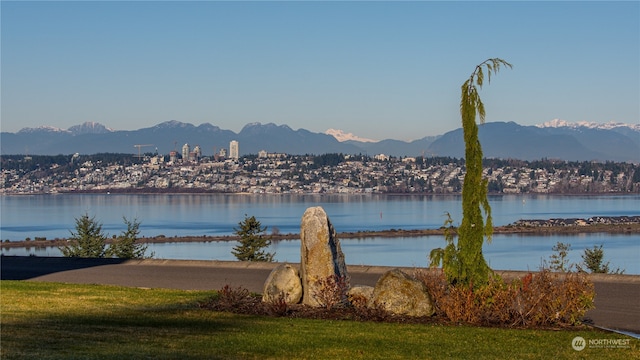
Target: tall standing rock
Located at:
point(321, 259)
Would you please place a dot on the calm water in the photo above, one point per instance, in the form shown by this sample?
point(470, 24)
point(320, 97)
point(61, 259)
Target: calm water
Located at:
point(52, 216)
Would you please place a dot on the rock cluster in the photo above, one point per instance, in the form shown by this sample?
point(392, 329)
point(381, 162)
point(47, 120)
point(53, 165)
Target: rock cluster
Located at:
point(323, 276)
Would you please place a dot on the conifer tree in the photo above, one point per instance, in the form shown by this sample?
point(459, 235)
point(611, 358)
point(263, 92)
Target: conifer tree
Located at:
point(125, 246)
point(464, 262)
point(593, 261)
point(88, 241)
point(252, 241)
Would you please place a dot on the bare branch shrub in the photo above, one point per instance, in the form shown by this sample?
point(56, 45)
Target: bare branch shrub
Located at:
point(236, 299)
point(332, 292)
point(277, 306)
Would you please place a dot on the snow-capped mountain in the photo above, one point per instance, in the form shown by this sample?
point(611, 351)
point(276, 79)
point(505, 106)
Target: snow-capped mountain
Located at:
point(342, 136)
point(89, 127)
point(557, 123)
point(42, 129)
point(505, 140)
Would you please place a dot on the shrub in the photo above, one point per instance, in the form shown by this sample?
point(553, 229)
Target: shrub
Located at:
point(332, 292)
point(277, 306)
point(559, 261)
point(552, 299)
point(541, 299)
point(236, 299)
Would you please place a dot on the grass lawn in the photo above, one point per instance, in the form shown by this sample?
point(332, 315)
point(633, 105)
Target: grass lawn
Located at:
point(64, 321)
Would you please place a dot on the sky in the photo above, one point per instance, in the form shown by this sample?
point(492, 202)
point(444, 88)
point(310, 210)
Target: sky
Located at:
point(379, 70)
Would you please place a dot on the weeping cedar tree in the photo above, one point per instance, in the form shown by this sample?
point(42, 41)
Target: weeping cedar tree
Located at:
point(463, 262)
point(252, 241)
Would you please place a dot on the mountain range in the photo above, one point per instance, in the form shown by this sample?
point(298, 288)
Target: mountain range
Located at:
point(552, 140)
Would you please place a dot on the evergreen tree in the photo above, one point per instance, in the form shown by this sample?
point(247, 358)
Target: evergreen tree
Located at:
point(88, 241)
point(593, 261)
point(252, 241)
point(125, 246)
point(464, 262)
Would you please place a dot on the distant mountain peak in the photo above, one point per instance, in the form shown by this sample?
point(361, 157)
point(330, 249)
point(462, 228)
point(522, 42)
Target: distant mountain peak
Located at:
point(270, 125)
point(558, 123)
point(173, 124)
point(559, 139)
point(257, 126)
point(44, 129)
point(208, 127)
point(342, 136)
point(89, 127)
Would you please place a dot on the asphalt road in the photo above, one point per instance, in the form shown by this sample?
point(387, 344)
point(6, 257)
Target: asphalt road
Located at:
point(617, 296)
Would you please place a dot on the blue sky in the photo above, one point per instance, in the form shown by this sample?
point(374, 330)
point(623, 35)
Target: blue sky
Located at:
point(377, 69)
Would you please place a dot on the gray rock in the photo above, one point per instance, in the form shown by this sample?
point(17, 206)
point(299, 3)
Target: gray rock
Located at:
point(321, 257)
point(283, 280)
point(400, 294)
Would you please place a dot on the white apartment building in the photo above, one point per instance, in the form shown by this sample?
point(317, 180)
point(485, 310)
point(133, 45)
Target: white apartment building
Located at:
point(186, 149)
point(234, 150)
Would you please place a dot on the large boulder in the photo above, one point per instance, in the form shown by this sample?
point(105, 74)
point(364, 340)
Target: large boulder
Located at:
point(283, 281)
point(321, 258)
point(400, 294)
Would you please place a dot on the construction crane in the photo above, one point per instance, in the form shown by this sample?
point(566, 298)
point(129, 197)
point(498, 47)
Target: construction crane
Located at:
point(140, 146)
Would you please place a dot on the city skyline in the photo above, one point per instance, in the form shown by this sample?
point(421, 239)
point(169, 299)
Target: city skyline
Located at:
point(378, 70)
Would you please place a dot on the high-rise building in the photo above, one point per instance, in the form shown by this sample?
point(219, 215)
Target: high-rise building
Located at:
point(197, 153)
point(234, 150)
point(185, 152)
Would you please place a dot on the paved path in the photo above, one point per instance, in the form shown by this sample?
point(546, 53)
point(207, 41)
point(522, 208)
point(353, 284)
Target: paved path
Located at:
point(617, 296)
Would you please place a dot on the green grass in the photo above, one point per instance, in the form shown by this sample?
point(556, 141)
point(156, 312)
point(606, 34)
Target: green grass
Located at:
point(63, 321)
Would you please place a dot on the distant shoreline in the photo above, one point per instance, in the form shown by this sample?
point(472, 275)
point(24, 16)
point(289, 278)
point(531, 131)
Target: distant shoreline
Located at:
point(623, 229)
point(198, 191)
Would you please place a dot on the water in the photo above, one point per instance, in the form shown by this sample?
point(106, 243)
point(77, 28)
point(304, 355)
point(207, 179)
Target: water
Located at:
point(52, 216)
point(505, 252)
point(178, 215)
